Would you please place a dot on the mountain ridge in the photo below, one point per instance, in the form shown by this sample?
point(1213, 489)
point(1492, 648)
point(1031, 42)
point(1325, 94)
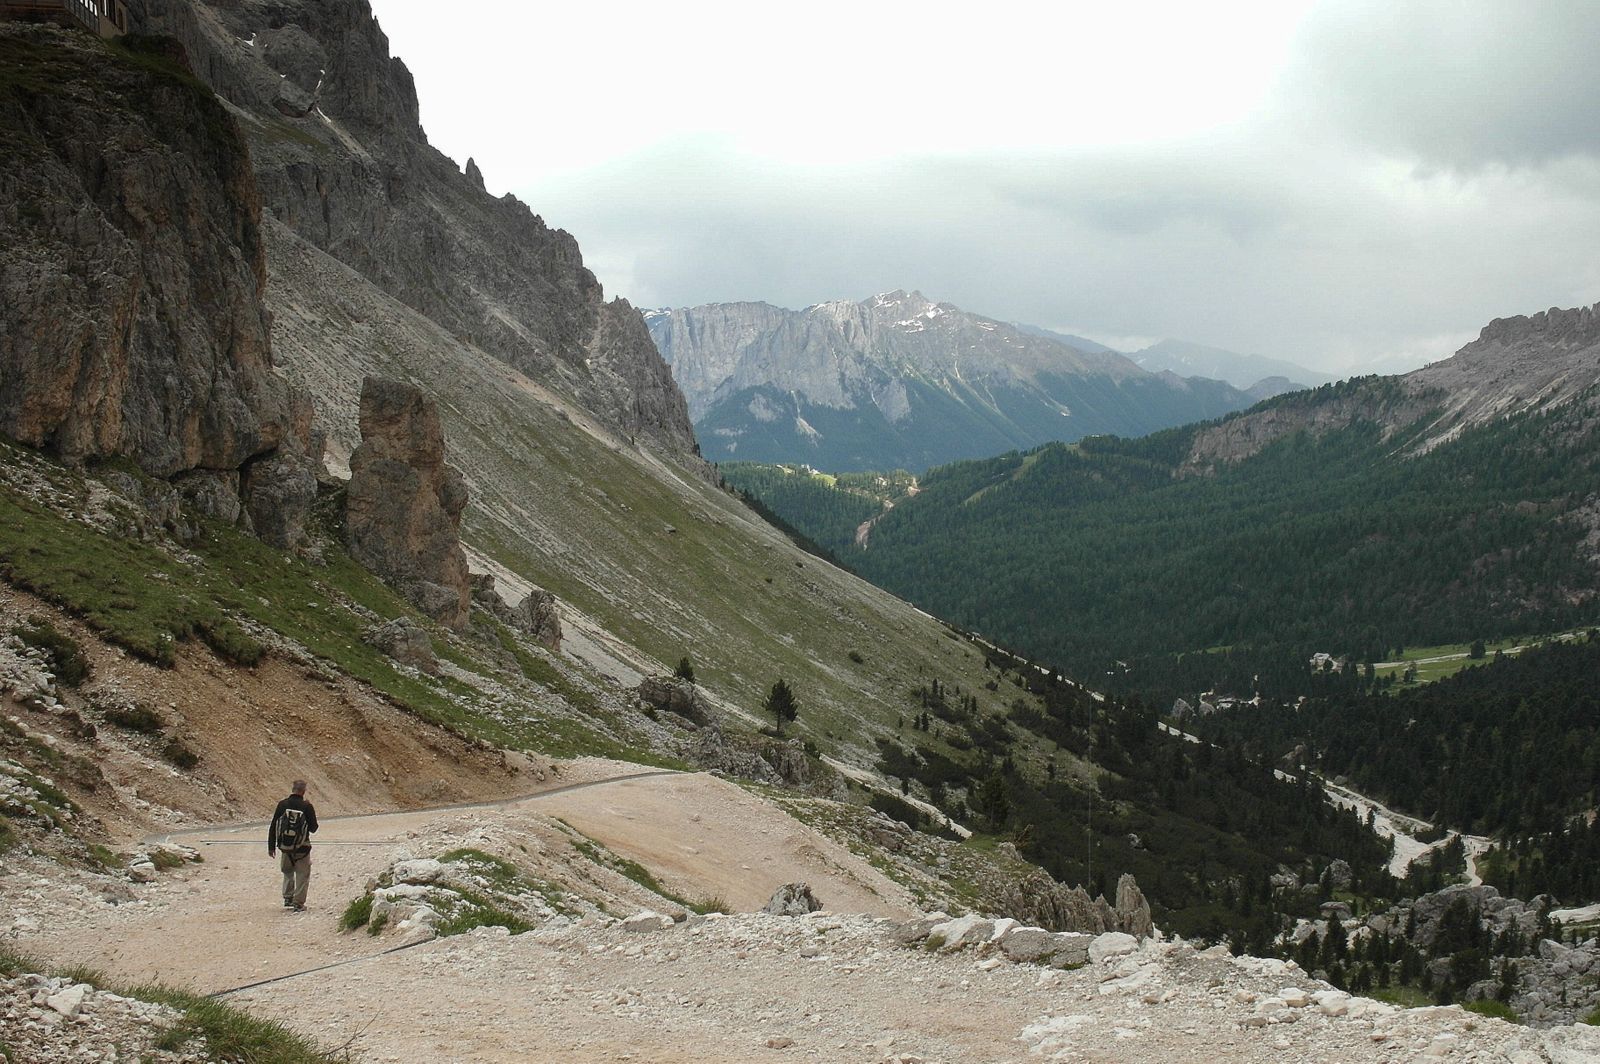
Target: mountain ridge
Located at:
point(900, 380)
point(341, 159)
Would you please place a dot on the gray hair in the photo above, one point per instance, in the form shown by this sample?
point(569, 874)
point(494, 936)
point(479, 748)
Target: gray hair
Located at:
point(299, 787)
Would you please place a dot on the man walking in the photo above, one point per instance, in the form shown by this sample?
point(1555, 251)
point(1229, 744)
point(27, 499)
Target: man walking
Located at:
point(289, 836)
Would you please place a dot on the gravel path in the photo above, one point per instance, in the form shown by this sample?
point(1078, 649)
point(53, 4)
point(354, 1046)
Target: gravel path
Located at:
point(219, 924)
point(756, 988)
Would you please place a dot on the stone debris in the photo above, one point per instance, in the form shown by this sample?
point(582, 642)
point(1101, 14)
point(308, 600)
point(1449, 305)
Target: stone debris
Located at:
point(828, 986)
point(45, 1018)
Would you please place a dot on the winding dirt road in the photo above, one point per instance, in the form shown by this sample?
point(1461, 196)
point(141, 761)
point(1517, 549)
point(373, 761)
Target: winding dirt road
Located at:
point(219, 924)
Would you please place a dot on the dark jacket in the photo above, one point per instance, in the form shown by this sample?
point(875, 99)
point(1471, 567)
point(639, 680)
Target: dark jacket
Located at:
point(294, 801)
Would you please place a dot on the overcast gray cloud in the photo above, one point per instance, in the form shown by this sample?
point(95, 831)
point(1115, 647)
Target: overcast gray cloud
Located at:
point(1455, 83)
point(1406, 172)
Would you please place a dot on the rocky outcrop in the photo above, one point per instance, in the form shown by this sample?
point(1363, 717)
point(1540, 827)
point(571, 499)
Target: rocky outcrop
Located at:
point(669, 694)
point(405, 641)
point(341, 159)
point(132, 275)
point(536, 615)
point(792, 899)
point(1038, 899)
point(403, 506)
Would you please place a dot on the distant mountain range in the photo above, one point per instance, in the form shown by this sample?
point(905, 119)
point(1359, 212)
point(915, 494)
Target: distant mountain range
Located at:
point(1261, 377)
point(902, 381)
point(1190, 359)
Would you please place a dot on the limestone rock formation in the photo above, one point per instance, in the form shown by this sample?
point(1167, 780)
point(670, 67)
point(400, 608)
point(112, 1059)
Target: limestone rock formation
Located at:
point(792, 899)
point(673, 695)
point(341, 159)
point(901, 381)
point(1039, 899)
point(132, 274)
point(405, 641)
point(1538, 361)
point(537, 615)
point(403, 506)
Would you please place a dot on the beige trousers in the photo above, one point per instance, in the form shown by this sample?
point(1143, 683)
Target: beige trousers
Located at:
point(296, 877)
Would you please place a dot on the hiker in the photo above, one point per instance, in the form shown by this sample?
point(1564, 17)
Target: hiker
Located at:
point(289, 836)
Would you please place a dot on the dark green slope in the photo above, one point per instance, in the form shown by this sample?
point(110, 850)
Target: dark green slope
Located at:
point(947, 426)
point(1101, 552)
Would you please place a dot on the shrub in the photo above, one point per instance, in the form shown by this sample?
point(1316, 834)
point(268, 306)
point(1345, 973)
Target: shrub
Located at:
point(357, 914)
point(67, 659)
point(137, 717)
point(855, 656)
point(179, 754)
point(685, 669)
point(230, 642)
point(1497, 1009)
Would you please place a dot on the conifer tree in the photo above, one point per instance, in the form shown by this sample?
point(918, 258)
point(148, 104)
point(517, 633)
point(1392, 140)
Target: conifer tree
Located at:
point(781, 704)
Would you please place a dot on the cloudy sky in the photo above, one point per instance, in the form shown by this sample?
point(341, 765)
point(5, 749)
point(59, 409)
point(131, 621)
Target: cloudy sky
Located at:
point(1347, 184)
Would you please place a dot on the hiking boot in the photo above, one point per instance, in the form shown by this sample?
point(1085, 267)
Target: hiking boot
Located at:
point(299, 908)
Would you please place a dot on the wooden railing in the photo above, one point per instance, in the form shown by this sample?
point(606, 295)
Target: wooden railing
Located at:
point(85, 13)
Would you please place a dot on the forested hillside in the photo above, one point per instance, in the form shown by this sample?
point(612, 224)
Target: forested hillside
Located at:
point(1510, 748)
point(1090, 789)
point(1106, 558)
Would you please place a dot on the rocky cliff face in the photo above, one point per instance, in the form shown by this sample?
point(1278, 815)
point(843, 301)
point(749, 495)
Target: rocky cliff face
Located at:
point(1526, 362)
point(900, 380)
point(403, 506)
point(341, 159)
point(131, 279)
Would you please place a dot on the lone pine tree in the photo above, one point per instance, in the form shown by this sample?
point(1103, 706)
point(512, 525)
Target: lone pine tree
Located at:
point(781, 703)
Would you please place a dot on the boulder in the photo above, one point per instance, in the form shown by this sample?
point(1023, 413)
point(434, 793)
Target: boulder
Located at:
point(537, 615)
point(1334, 910)
point(1111, 945)
point(424, 871)
point(403, 506)
point(674, 695)
point(405, 641)
point(963, 932)
point(1028, 945)
point(1339, 874)
point(1072, 949)
point(69, 1002)
point(792, 899)
point(646, 920)
point(915, 932)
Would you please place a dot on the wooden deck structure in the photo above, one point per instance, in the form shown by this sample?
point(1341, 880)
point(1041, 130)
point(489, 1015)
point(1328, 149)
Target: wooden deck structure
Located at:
point(107, 18)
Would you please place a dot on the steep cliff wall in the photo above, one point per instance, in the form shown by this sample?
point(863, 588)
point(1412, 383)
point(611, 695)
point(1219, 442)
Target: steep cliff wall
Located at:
point(132, 273)
point(341, 159)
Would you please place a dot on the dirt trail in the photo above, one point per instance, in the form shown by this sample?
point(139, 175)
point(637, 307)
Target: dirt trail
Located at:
point(219, 924)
